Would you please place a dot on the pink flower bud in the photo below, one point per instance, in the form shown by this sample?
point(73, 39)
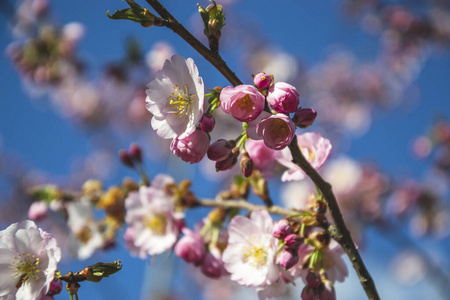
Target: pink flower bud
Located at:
point(212, 267)
point(190, 247)
point(228, 162)
point(55, 287)
point(277, 131)
point(281, 229)
point(304, 117)
point(38, 210)
point(312, 280)
point(207, 123)
point(246, 165)
point(325, 292)
point(243, 102)
point(293, 241)
point(288, 258)
point(220, 149)
point(262, 81)
point(283, 98)
point(125, 158)
point(135, 153)
point(191, 147)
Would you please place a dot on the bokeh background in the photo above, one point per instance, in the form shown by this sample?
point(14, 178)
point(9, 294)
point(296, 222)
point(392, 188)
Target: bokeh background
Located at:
point(378, 73)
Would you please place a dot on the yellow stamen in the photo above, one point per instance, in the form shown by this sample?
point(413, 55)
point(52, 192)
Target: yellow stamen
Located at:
point(256, 256)
point(25, 267)
point(156, 223)
point(181, 100)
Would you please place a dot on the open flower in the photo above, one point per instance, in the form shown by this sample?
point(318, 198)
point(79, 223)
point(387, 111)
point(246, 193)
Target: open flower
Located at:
point(28, 261)
point(150, 212)
point(251, 250)
point(314, 148)
point(175, 98)
point(243, 102)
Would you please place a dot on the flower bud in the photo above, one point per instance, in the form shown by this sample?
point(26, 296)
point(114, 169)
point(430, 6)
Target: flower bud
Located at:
point(125, 158)
point(220, 149)
point(288, 258)
point(207, 123)
point(135, 153)
point(246, 165)
point(312, 280)
point(228, 162)
point(262, 81)
point(282, 229)
point(277, 131)
point(190, 247)
point(55, 287)
point(212, 267)
point(304, 117)
point(191, 147)
point(293, 241)
point(283, 98)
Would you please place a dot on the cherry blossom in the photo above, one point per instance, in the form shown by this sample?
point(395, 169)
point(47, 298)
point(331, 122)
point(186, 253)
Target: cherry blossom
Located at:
point(175, 98)
point(28, 261)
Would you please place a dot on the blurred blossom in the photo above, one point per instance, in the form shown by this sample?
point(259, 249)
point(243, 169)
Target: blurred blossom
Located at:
point(296, 194)
point(151, 214)
point(282, 65)
point(85, 236)
point(422, 147)
point(38, 210)
point(314, 148)
point(160, 52)
point(408, 268)
point(343, 173)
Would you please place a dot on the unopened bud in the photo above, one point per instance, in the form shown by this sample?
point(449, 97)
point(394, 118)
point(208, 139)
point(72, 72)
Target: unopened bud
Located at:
point(217, 216)
point(228, 162)
point(262, 81)
point(319, 240)
point(304, 117)
point(282, 229)
point(312, 280)
point(55, 287)
point(293, 241)
point(207, 123)
point(220, 149)
point(246, 165)
point(288, 258)
point(125, 158)
point(135, 153)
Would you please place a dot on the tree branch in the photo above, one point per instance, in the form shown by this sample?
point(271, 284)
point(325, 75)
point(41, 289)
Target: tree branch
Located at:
point(339, 230)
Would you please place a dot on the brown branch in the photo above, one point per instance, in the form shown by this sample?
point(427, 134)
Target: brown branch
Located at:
point(339, 230)
point(213, 57)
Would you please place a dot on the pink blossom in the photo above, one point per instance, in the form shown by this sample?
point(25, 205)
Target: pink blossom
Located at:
point(262, 81)
point(250, 253)
point(314, 148)
point(263, 157)
point(243, 102)
point(277, 131)
point(283, 98)
point(287, 258)
point(28, 261)
point(151, 214)
point(38, 210)
point(175, 98)
point(190, 247)
point(191, 147)
point(251, 128)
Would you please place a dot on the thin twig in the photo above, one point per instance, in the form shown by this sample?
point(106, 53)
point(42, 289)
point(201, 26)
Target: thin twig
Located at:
point(339, 230)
